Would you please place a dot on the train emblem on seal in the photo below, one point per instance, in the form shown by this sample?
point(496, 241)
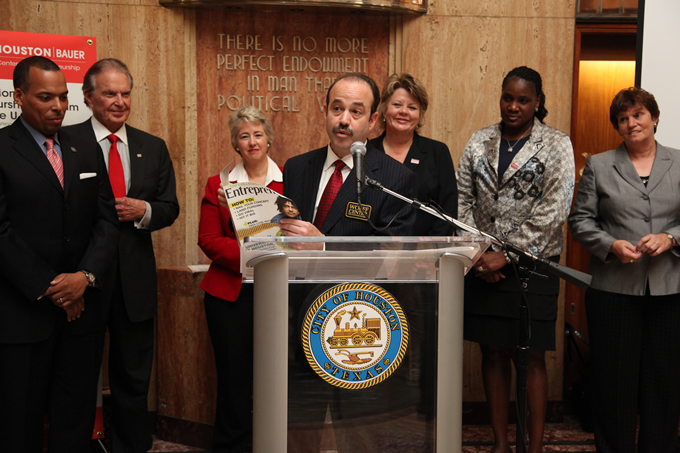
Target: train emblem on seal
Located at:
point(367, 334)
point(355, 335)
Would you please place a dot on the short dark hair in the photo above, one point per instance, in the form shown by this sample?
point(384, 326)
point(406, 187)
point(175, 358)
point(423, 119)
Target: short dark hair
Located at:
point(359, 77)
point(281, 202)
point(20, 77)
point(105, 64)
point(630, 97)
point(412, 85)
point(531, 76)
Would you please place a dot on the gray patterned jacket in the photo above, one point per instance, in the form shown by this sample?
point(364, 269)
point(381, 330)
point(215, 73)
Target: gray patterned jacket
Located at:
point(530, 205)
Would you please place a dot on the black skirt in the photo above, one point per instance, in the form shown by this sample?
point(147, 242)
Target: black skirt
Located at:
point(492, 310)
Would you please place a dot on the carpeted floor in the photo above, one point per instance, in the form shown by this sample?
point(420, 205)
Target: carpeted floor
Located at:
point(567, 437)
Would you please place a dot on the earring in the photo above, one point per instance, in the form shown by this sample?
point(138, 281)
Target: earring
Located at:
point(536, 109)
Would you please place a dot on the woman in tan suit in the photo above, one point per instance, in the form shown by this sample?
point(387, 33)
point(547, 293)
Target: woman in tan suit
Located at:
point(627, 214)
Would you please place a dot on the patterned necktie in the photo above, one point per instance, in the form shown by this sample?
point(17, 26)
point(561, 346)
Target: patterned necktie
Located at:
point(329, 193)
point(55, 161)
point(116, 175)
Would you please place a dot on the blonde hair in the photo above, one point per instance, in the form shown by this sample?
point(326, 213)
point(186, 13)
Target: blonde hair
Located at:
point(253, 115)
point(412, 85)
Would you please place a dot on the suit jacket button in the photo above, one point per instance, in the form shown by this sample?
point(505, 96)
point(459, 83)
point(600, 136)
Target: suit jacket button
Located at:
point(645, 197)
point(646, 219)
point(493, 219)
point(66, 239)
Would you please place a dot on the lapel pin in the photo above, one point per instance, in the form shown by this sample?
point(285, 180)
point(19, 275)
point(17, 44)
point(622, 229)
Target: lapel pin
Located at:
point(139, 155)
point(73, 149)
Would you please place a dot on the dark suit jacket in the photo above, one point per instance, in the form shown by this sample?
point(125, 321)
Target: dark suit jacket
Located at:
point(301, 176)
point(431, 161)
point(46, 230)
point(152, 179)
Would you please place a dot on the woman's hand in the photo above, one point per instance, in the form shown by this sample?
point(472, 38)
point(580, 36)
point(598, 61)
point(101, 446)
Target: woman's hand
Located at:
point(625, 251)
point(222, 198)
point(654, 244)
point(491, 277)
point(488, 265)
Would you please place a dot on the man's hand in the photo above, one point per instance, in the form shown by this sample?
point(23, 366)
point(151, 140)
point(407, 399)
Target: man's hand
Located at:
point(74, 309)
point(67, 289)
point(130, 209)
point(295, 227)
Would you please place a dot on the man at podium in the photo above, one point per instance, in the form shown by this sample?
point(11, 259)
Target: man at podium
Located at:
point(323, 184)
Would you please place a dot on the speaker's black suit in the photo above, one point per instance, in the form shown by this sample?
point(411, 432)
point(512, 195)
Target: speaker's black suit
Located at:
point(301, 179)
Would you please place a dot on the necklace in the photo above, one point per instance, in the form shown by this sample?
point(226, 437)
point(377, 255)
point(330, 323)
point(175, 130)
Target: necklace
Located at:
point(511, 146)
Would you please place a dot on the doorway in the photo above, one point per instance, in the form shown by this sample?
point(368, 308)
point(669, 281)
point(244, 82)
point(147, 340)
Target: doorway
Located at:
point(604, 63)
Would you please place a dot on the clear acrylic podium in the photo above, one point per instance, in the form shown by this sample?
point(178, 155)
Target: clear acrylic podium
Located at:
point(272, 264)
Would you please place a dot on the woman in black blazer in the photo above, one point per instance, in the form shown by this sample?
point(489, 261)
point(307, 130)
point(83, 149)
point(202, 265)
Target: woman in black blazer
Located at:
point(403, 104)
point(627, 214)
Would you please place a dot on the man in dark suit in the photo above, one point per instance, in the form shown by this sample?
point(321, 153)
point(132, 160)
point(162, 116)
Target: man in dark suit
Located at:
point(58, 230)
point(350, 113)
point(143, 182)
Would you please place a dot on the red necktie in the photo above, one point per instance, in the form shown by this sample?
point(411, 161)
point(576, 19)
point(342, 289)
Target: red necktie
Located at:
point(55, 160)
point(116, 175)
point(329, 194)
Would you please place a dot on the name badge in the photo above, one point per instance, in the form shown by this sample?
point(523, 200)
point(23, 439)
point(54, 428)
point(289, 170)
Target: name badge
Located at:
point(354, 211)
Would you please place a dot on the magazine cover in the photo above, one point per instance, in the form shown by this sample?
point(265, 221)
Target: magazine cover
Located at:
point(256, 210)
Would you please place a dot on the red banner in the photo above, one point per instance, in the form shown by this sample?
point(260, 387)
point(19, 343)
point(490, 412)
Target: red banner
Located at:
point(73, 54)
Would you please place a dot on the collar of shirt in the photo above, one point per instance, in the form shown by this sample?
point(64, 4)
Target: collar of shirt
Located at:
point(40, 138)
point(101, 132)
point(239, 173)
point(331, 157)
point(328, 169)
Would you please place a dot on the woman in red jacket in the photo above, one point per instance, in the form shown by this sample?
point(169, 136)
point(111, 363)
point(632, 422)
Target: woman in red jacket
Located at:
point(228, 302)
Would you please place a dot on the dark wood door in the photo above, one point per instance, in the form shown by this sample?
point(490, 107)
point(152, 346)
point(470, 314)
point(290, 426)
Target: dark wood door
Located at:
point(604, 63)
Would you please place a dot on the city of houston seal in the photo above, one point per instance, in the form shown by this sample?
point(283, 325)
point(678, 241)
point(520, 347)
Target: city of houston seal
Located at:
point(355, 335)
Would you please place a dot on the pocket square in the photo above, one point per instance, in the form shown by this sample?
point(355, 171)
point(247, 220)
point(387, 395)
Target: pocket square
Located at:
point(87, 175)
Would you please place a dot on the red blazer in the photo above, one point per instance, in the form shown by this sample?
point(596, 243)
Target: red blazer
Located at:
point(217, 239)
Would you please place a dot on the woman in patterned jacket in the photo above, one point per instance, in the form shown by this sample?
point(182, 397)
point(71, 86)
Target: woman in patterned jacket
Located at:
point(515, 181)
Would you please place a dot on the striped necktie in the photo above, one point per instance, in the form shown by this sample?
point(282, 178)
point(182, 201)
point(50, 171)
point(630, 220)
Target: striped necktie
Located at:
point(55, 160)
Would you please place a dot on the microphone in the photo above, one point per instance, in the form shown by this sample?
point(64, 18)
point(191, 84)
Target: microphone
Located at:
point(358, 150)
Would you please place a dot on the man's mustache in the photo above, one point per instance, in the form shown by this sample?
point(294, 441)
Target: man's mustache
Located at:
point(341, 127)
